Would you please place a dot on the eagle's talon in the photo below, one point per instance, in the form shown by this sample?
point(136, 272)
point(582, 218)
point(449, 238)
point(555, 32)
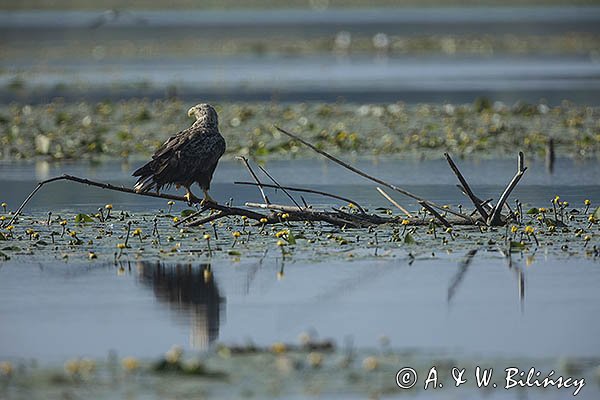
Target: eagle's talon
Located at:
point(191, 199)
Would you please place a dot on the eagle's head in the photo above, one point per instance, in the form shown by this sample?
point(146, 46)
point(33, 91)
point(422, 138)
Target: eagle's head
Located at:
point(204, 114)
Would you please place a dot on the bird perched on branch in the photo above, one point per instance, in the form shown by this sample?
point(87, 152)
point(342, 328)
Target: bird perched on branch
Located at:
point(187, 157)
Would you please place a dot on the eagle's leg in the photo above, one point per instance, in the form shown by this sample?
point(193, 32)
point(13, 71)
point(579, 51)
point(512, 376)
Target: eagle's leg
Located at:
point(207, 198)
point(189, 196)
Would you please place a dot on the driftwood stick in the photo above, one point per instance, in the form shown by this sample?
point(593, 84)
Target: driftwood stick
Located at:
point(394, 202)
point(229, 211)
point(309, 214)
point(258, 183)
point(435, 214)
point(279, 207)
point(371, 218)
point(279, 186)
point(91, 183)
point(466, 187)
point(372, 178)
point(495, 219)
point(313, 191)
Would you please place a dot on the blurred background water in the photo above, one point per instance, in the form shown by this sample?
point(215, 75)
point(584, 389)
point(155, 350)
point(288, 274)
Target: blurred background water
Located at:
point(451, 52)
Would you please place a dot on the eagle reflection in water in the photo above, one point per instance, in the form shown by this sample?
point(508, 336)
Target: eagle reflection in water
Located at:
point(189, 290)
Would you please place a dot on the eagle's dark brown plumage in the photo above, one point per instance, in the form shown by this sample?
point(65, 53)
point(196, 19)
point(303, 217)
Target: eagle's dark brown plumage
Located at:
point(187, 157)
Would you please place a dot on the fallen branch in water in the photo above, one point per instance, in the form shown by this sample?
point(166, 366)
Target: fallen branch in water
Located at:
point(372, 178)
point(303, 190)
point(89, 182)
point(494, 219)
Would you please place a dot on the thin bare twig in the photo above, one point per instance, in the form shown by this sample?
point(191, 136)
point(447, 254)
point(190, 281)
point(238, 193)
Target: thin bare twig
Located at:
point(372, 178)
point(483, 204)
point(394, 202)
point(279, 186)
point(466, 188)
point(487, 203)
point(258, 182)
point(435, 214)
point(495, 219)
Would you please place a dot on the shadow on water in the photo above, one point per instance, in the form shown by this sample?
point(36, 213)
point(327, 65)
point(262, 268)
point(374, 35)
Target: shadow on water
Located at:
point(189, 290)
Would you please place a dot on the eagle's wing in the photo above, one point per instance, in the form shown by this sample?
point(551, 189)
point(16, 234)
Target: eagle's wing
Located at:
point(180, 159)
point(149, 172)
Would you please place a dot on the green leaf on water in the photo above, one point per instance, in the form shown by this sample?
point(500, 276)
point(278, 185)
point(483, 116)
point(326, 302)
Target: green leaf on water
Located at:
point(234, 253)
point(516, 246)
point(533, 211)
point(408, 239)
point(290, 237)
point(597, 213)
point(82, 218)
point(2, 237)
point(187, 212)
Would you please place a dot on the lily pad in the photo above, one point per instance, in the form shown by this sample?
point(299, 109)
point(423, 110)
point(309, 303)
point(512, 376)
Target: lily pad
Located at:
point(187, 212)
point(408, 239)
point(82, 218)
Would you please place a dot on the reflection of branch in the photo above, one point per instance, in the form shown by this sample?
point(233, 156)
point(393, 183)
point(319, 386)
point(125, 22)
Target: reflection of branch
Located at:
point(518, 270)
point(463, 267)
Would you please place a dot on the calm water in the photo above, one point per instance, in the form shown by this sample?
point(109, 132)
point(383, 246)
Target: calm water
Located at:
point(540, 308)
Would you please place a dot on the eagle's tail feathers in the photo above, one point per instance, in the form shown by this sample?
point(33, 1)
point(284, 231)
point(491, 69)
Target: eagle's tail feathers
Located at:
point(144, 184)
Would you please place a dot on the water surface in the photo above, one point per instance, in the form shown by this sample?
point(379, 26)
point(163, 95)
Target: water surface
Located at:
point(540, 306)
